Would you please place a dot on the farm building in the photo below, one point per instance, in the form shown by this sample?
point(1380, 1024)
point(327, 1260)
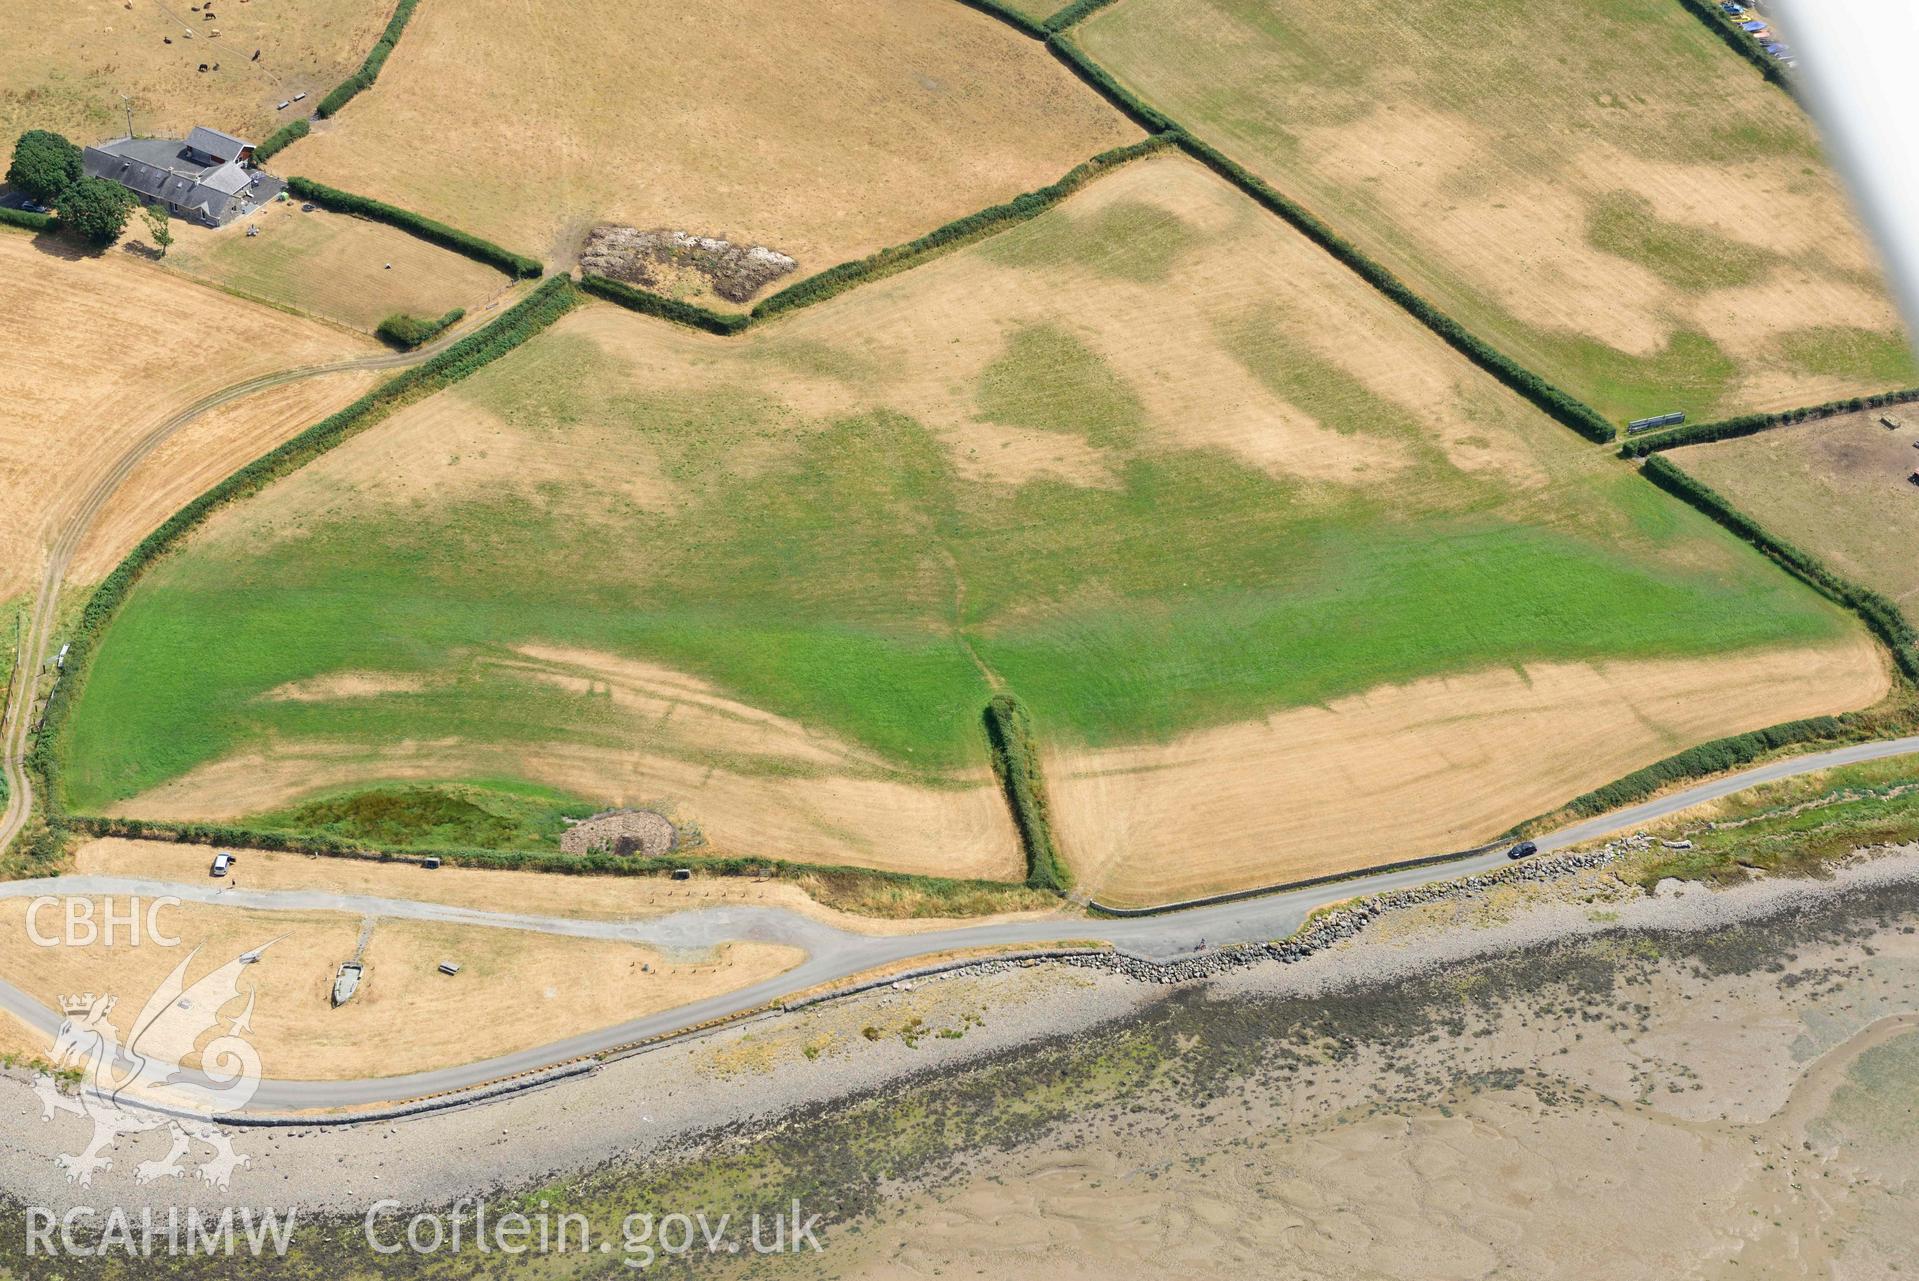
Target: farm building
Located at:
point(208, 178)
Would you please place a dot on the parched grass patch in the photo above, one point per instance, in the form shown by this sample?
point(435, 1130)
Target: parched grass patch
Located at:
point(64, 66)
point(824, 129)
point(1586, 187)
point(1840, 488)
point(330, 265)
point(809, 555)
point(88, 366)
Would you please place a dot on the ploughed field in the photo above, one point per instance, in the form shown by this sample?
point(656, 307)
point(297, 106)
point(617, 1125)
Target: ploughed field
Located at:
point(1287, 584)
point(822, 129)
point(1601, 189)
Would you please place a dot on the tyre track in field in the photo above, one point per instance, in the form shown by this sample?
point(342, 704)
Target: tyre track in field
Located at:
point(72, 533)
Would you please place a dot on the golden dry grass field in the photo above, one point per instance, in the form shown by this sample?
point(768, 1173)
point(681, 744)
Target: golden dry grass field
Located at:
point(1841, 488)
point(407, 1017)
point(97, 351)
point(1264, 556)
point(64, 65)
point(488, 890)
point(1600, 188)
point(21, 1042)
point(339, 268)
point(822, 128)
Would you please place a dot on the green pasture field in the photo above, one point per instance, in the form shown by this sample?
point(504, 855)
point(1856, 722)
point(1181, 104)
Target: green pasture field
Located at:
point(1839, 488)
point(800, 517)
point(1601, 189)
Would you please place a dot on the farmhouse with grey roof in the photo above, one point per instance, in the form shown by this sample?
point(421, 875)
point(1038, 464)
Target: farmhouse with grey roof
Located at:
point(209, 178)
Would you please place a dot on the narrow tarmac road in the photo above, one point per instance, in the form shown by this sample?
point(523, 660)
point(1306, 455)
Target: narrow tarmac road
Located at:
point(834, 954)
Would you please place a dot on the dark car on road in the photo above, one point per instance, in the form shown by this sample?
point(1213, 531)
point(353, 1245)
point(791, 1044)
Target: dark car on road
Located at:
point(1525, 849)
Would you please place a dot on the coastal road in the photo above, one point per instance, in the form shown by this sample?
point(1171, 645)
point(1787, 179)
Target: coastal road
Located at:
point(834, 954)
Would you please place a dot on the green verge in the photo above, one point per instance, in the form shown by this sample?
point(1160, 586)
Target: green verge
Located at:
point(518, 266)
point(369, 71)
point(546, 304)
point(1753, 424)
point(409, 332)
point(1738, 41)
point(879, 264)
point(1009, 733)
point(26, 220)
point(280, 139)
point(1796, 828)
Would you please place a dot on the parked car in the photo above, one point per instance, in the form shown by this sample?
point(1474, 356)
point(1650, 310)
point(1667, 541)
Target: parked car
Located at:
point(222, 864)
point(1525, 849)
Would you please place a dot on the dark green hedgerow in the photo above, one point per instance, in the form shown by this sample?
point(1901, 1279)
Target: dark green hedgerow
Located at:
point(1738, 41)
point(280, 139)
point(847, 886)
point(1753, 424)
point(460, 242)
point(526, 318)
point(1880, 614)
point(369, 70)
point(413, 331)
point(26, 220)
point(1009, 733)
point(961, 231)
point(1706, 759)
point(1074, 14)
point(1011, 17)
point(1560, 404)
point(1095, 76)
point(835, 280)
point(648, 303)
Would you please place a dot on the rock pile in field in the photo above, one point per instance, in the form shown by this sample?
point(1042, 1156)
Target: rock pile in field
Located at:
point(649, 258)
point(629, 831)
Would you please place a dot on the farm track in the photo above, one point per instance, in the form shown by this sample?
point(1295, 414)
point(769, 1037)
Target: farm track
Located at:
point(72, 533)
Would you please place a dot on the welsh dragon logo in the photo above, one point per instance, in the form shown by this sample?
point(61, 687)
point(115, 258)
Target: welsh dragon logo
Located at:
point(140, 1086)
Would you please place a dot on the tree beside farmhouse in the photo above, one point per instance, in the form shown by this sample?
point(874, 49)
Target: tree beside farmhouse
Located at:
point(96, 210)
point(44, 165)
